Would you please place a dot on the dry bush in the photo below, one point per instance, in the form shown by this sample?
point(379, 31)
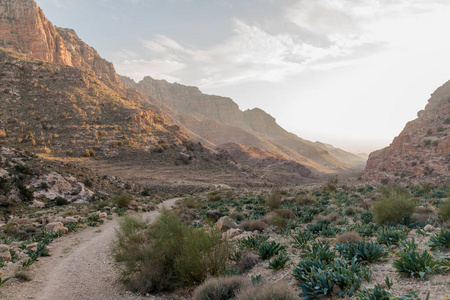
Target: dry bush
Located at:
point(305, 200)
point(277, 291)
point(365, 204)
point(273, 200)
point(422, 214)
point(237, 216)
point(351, 237)
point(223, 288)
point(247, 261)
point(253, 225)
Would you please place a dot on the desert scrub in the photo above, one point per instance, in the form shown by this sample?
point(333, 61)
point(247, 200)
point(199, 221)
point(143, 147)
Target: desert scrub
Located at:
point(273, 200)
point(167, 254)
point(415, 264)
point(394, 206)
point(122, 201)
point(363, 251)
point(267, 292)
point(350, 237)
point(220, 288)
point(444, 210)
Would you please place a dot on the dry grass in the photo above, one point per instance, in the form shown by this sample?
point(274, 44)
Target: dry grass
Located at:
point(268, 292)
point(351, 237)
point(253, 225)
point(423, 214)
point(220, 288)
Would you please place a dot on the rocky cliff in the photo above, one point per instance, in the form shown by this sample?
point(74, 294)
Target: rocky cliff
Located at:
point(24, 28)
point(216, 120)
point(422, 150)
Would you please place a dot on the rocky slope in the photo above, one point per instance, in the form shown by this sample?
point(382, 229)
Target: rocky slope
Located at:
point(24, 28)
point(422, 150)
point(215, 121)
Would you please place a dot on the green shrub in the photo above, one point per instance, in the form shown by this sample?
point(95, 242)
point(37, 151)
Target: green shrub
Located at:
point(317, 285)
point(194, 203)
point(440, 239)
point(224, 288)
point(253, 241)
point(302, 238)
point(267, 292)
point(60, 201)
point(122, 201)
point(415, 264)
point(444, 210)
point(375, 293)
point(320, 251)
point(167, 254)
point(394, 206)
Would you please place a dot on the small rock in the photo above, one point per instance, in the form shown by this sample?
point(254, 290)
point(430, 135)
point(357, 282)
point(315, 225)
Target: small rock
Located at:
point(61, 228)
point(6, 256)
point(103, 215)
point(69, 220)
point(32, 246)
point(231, 233)
point(4, 247)
point(429, 228)
point(225, 223)
point(50, 226)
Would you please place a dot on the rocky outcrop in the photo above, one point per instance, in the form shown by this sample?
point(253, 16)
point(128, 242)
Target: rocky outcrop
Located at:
point(218, 121)
point(24, 28)
point(422, 150)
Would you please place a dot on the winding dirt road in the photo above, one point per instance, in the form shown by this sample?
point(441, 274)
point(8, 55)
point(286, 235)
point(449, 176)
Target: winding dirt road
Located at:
point(81, 267)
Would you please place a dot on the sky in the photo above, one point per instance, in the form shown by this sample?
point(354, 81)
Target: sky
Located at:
point(351, 73)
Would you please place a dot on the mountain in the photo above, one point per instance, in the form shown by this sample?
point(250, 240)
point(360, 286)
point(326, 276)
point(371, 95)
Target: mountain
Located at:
point(24, 28)
point(358, 160)
point(60, 99)
point(217, 121)
point(422, 150)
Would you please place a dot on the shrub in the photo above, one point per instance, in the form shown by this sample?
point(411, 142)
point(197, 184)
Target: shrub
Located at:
point(237, 216)
point(414, 264)
point(220, 288)
point(167, 254)
point(273, 200)
point(60, 201)
point(440, 239)
point(422, 214)
point(267, 292)
point(350, 237)
point(318, 284)
point(194, 203)
point(247, 262)
point(122, 201)
point(331, 184)
point(302, 238)
point(252, 242)
point(320, 251)
point(444, 210)
point(253, 225)
point(394, 206)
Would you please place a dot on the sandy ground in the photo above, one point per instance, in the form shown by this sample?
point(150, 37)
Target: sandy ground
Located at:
point(81, 267)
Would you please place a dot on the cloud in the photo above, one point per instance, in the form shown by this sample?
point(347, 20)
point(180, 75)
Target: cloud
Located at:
point(328, 34)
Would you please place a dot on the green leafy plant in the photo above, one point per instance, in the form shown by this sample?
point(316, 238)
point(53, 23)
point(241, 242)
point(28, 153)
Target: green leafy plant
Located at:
point(318, 284)
point(415, 264)
point(252, 242)
point(363, 251)
point(375, 293)
point(268, 249)
point(440, 240)
point(389, 236)
point(302, 238)
point(320, 251)
point(279, 262)
point(2, 281)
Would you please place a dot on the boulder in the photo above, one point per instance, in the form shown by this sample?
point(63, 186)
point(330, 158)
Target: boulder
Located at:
point(52, 225)
point(231, 233)
point(225, 223)
point(69, 220)
point(61, 228)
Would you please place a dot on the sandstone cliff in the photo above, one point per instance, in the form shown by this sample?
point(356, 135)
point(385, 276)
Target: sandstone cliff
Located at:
point(24, 28)
point(216, 120)
point(422, 150)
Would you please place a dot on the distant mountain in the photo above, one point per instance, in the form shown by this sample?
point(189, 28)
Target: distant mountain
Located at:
point(217, 122)
point(358, 160)
point(422, 150)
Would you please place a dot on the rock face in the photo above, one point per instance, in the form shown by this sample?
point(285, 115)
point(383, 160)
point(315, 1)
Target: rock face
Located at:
point(24, 28)
point(217, 121)
point(422, 150)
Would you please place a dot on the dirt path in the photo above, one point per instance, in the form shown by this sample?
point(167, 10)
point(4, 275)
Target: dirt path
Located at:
point(81, 267)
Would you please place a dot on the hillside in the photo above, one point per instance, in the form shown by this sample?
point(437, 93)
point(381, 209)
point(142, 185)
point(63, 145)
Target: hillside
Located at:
point(217, 121)
point(421, 152)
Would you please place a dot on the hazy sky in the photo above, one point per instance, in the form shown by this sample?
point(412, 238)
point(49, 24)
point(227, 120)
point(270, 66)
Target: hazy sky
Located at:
point(347, 72)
